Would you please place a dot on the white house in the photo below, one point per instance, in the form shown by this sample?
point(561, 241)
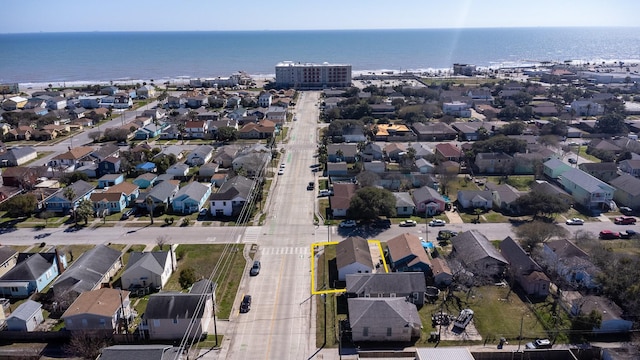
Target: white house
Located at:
point(353, 257)
point(457, 108)
point(149, 269)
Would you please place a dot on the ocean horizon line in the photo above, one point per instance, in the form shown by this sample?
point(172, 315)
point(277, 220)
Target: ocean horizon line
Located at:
point(316, 30)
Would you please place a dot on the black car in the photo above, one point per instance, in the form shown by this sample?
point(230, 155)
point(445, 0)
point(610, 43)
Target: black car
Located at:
point(127, 214)
point(381, 224)
point(245, 305)
point(311, 185)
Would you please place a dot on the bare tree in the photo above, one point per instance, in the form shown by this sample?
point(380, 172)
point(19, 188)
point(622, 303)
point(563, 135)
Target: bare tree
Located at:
point(446, 177)
point(536, 232)
point(86, 345)
point(162, 240)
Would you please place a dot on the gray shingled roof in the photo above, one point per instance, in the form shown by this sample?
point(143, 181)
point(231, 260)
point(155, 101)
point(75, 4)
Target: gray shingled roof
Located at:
point(26, 310)
point(172, 305)
point(472, 246)
point(403, 199)
point(383, 313)
point(193, 190)
point(585, 181)
point(203, 286)
point(237, 186)
point(162, 191)
point(395, 282)
point(80, 189)
point(30, 266)
point(627, 183)
point(141, 352)
point(151, 261)
point(517, 257)
point(6, 253)
point(88, 271)
point(351, 250)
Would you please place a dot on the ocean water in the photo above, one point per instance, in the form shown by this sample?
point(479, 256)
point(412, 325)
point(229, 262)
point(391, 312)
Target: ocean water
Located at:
point(124, 56)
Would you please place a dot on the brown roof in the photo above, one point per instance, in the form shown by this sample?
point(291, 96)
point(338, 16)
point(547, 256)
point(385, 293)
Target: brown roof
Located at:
point(353, 249)
point(124, 187)
point(342, 194)
point(105, 302)
point(105, 196)
point(75, 153)
point(439, 266)
point(405, 245)
point(448, 150)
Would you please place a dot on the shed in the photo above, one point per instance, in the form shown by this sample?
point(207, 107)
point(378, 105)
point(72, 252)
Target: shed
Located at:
point(26, 317)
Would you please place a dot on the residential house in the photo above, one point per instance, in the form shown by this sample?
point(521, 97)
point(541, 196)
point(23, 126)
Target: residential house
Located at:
point(200, 155)
point(20, 177)
point(428, 200)
point(276, 114)
point(434, 131)
point(395, 151)
point(251, 163)
point(264, 129)
point(612, 321)
point(627, 190)
point(570, 263)
point(494, 163)
point(341, 199)
point(110, 165)
point(110, 180)
point(604, 171)
point(149, 131)
point(457, 109)
point(339, 169)
point(146, 92)
point(372, 152)
point(342, 152)
point(265, 99)
point(477, 255)
point(587, 190)
point(586, 108)
point(191, 198)
point(547, 188)
point(8, 259)
point(553, 168)
point(102, 310)
point(470, 131)
point(129, 190)
point(447, 151)
point(404, 204)
point(171, 316)
point(442, 274)
point(406, 254)
point(196, 129)
point(145, 180)
point(353, 134)
point(383, 320)
point(524, 269)
point(14, 103)
point(149, 269)
point(504, 197)
point(380, 110)
point(73, 158)
point(20, 133)
point(106, 151)
point(630, 166)
point(424, 166)
point(178, 170)
point(59, 203)
point(149, 352)
point(421, 150)
point(26, 317)
point(353, 257)
point(531, 163)
point(161, 194)
point(148, 167)
point(17, 156)
point(393, 132)
point(231, 197)
point(408, 285)
point(32, 273)
point(196, 101)
point(94, 269)
point(225, 155)
point(473, 199)
point(106, 203)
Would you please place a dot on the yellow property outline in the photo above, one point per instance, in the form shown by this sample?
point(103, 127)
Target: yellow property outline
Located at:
point(315, 291)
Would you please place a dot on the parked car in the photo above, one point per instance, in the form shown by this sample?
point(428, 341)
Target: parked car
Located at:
point(281, 171)
point(575, 221)
point(539, 344)
point(609, 235)
point(625, 220)
point(127, 214)
point(408, 223)
point(573, 161)
point(283, 165)
point(311, 185)
point(245, 305)
point(628, 234)
point(203, 212)
point(626, 210)
point(325, 192)
point(446, 234)
point(348, 224)
point(381, 224)
point(255, 269)
point(437, 222)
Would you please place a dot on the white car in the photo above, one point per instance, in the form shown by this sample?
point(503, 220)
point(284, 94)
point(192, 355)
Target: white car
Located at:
point(348, 224)
point(407, 223)
point(283, 165)
point(437, 222)
point(281, 172)
point(575, 221)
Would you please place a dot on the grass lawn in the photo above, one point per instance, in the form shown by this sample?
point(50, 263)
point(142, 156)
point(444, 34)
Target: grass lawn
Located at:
point(495, 316)
point(460, 183)
point(330, 301)
point(323, 205)
point(487, 217)
point(520, 182)
point(583, 153)
point(204, 259)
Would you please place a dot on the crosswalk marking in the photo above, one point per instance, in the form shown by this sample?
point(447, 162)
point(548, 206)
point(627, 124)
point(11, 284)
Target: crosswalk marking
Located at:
point(252, 233)
point(284, 250)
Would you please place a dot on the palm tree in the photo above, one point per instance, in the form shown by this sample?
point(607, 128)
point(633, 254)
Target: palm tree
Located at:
point(70, 194)
point(150, 206)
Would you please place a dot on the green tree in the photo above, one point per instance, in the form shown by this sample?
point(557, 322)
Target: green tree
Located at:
point(582, 325)
point(513, 128)
point(70, 195)
point(227, 133)
point(20, 205)
point(369, 203)
point(187, 277)
point(612, 123)
point(150, 207)
point(84, 210)
point(68, 179)
point(541, 205)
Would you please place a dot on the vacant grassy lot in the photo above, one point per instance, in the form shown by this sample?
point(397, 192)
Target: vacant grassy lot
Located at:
point(328, 303)
point(226, 260)
point(520, 182)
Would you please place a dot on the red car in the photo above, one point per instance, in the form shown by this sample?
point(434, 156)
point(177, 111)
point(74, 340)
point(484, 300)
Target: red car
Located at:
point(609, 235)
point(625, 220)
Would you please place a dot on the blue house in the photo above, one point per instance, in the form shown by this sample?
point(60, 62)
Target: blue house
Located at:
point(146, 167)
point(32, 273)
point(405, 253)
point(110, 180)
point(150, 131)
point(108, 202)
point(145, 180)
point(191, 198)
point(58, 202)
point(110, 165)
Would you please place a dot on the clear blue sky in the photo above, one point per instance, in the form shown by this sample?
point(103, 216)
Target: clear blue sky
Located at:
point(186, 15)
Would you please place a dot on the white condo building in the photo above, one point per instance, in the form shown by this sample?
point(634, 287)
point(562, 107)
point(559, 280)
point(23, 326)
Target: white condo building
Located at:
point(306, 75)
